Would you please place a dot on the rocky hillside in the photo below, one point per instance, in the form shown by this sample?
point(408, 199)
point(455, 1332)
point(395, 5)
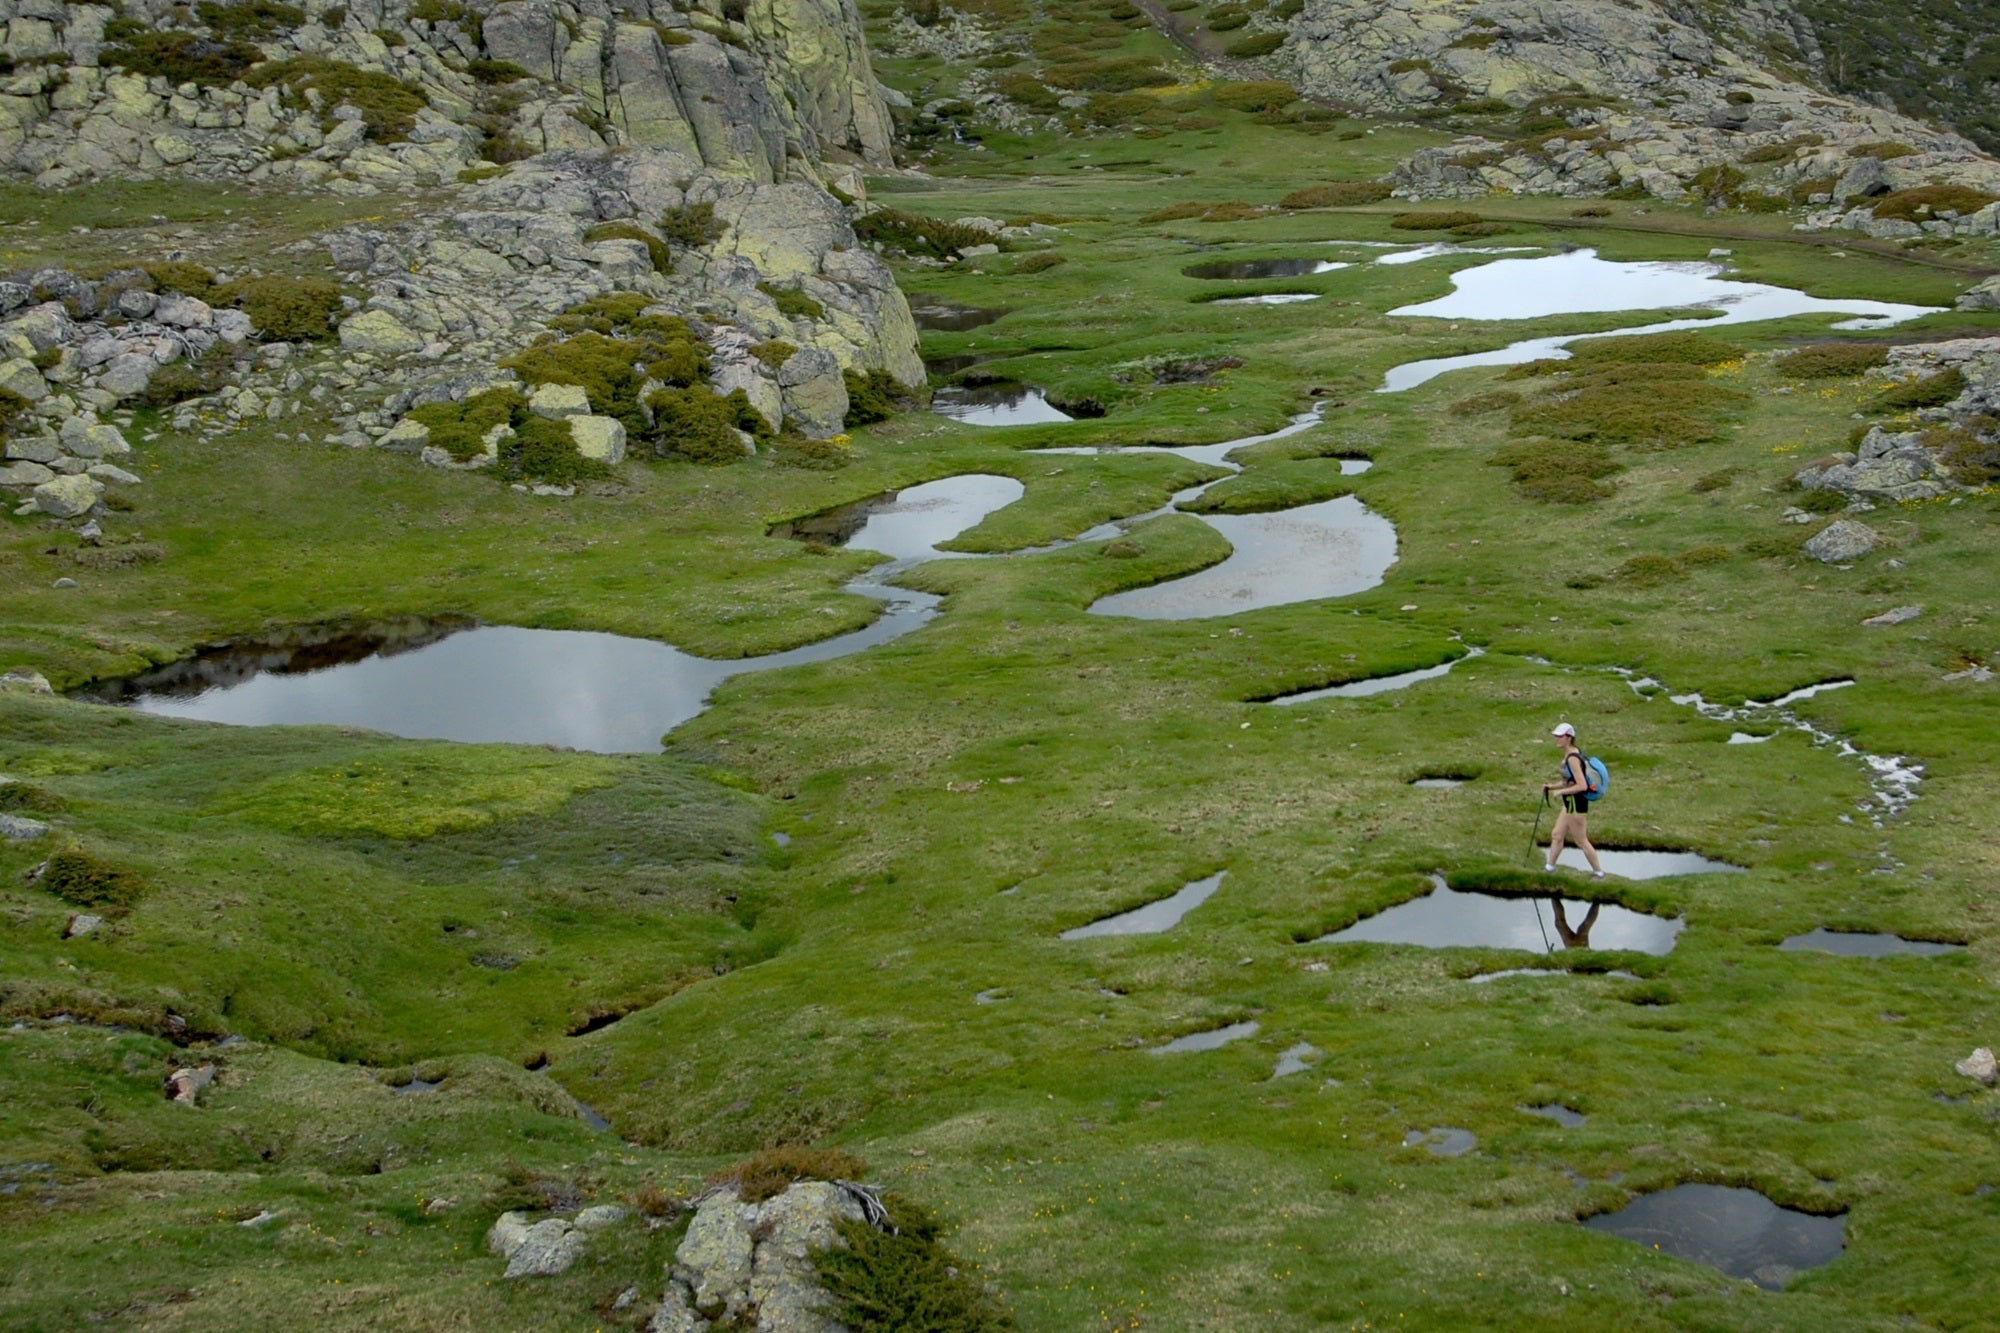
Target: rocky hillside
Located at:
point(636, 232)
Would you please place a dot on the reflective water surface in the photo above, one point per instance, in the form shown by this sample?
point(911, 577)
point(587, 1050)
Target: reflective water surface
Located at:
point(1154, 917)
point(1446, 918)
point(997, 405)
point(1864, 944)
point(1245, 269)
point(1207, 1041)
point(1738, 1231)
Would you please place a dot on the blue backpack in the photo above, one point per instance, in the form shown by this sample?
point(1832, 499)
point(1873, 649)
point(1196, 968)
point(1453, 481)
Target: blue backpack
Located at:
point(1597, 777)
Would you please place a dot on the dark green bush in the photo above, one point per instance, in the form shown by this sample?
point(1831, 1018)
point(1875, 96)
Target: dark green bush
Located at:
point(1716, 480)
point(775, 352)
point(793, 304)
point(872, 397)
point(179, 57)
point(542, 451)
point(905, 1280)
point(496, 71)
point(1928, 391)
point(1683, 349)
point(1226, 18)
point(914, 234)
point(769, 1173)
point(1120, 74)
point(1928, 201)
point(286, 309)
point(1882, 150)
point(1828, 361)
point(1713, 553)
point(1649, 571)
point(615, 349)
point(388, 106)
point(1258, 95)
point(1433, 221)
point(1039, 263)
point(1970, 453)
point(692, 226)
point(12, 405)
point(1823, 502)
point(1717, 184)
point(180, 380)
point(26, 796)
point(699, 426)
point(1336, 195)
point(1558, 471)
point(250, 18)
point(84, 880)
point(1255, 45)
point(656, 249)
point(460, 429)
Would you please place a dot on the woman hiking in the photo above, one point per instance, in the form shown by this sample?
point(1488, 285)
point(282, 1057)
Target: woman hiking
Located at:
point(1574, 789)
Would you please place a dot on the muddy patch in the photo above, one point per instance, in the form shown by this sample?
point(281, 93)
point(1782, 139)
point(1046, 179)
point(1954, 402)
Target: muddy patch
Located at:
point(1447, 918)
point(1738, 1231)
point(1864, 944)
point(1154, 917)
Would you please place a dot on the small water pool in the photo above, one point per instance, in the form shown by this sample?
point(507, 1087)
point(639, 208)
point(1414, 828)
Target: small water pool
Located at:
point(1402, 680)
point(933, 315)
point(1243, 270)
point(997, 405)
point(1154, 917)
point(1864, 944)
point(1446, 918)
point(1738, 1231)
point(1207, 1041)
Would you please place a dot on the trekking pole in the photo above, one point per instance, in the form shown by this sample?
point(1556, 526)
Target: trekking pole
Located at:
point(1535, 833)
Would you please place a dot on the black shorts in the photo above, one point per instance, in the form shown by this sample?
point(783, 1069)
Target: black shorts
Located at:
point(1576, 803)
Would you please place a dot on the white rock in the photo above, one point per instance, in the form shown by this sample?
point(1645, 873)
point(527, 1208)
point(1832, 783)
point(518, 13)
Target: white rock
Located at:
point(1900, 615)
point(25, 474)
point(549, 1248)
point(405, 437)
point(602, 438)
point(600, 1215)
point(1980, 1065)
point(83, 923)
point(1841, 541)
point(556, 401)
point(14, 828)
point(507, 1233)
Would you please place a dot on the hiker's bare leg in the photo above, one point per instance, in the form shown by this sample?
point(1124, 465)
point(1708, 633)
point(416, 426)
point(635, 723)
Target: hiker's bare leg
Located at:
point(1556, 836)
point(1583, 841)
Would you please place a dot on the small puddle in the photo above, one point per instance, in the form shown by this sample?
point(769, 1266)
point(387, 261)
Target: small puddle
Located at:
point(935, 316)
point(1296, 1059)
point(1485, 977)
point(1441, 248)
point(1267, 298)
point(607, 693)
point(1864, 944)
point(1557, 1112)
point(1581, 283)
point(989, 997)
point(1648, 865)
point(1745, 738)
point(1442, 1141)
point(1738, 1231)
point(415, 1085)
point(1243, 270)
point(1207, 1041)
point(1361, 689)
point(997, 405)
point(1446, 918)
point(1154, 917)
point(1439, 784)
point(592, 1118)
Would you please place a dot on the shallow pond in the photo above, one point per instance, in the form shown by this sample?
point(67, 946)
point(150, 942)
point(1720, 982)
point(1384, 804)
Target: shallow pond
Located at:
point(1296, 1059)
point(576, 689)
point(1329, 549)
point(1442, 1141)
point(1361, 689)
point(1864, 944)
point(1267, 298)
point(1447, 918)
point(1581, 283)
point(1439, 784)
point(1154, 917)
point(1738, 1231)
point(1242, 270)
point(997, 405)
point(1207, 1041)
point(935, 316)
point(1557, 1112)
point(1648, 865)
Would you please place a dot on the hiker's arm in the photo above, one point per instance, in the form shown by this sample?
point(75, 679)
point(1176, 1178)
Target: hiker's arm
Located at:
point(1580, 783)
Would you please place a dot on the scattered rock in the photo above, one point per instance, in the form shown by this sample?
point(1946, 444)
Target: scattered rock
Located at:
point(1898, 616)
point(600, 1215)
point(601, 438)
point(1841, 541)
point(738, 1257)
point(1977, 673)
point(67, 497)
point(1979, 1066)
point(507, 1233)
point(378, 333)
point(556, 401)
point(20, 680)
point(547, 1250)
point(83, 923)
point(17, 828)
point(185, 1085)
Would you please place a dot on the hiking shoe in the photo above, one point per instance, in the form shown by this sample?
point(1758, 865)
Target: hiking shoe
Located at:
point(1548, 869)
point(1597, 874)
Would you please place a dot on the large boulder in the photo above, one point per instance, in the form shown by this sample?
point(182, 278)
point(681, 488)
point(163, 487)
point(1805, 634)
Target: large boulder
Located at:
point(20, 377)
point(68, 497)
point(378, 332)
point(1841, 542)
point(1985, 296)
point(599, 438)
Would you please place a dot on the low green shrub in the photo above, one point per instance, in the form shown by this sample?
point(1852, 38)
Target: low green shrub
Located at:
point(872, 397)
point(1337, 195)
point(1558, 471)
point(496, 71)
point(1590, 211)
point(178, 57)
point(285, 309)
point(18, 796)
point(1500, 400)
point(1434, 221)
point(388, 106)
point(656, 249)
point(84, 880)
point(1226, 18)
point(1882, 150)
point(1923, 202)
point(181, 380)
point(1926, 391)
point(792, 303)
point(774, 352)
point(1717, 480)
point(542, 451)
point(1829, 361)
point(767, 1174)
point(12, 406)
point(612, 356)
point(1255, 45)
point(1970, 453)
point(698, 426)
point(1039, 263)
point(903, 1278)
point(1822, 502)
point(692, 226)
point(1649, 571)
point(250, 18)
point(1257, 95)
point(1175, 213)
point(1231, 210)
point(1717, 184)
point(1118, 74)
point(914, 234)
point(460, 429)
point(1683, 349)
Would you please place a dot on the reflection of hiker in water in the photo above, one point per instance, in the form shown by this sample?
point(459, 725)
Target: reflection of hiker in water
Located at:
point(1580, 937)
point(1574, 789)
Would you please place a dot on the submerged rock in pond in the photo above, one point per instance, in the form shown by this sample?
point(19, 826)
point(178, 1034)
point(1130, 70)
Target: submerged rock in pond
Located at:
point(1863, 944)
point(1208, 1041)
point(1155, 916)
point(1447, 918)
point(1442, 1141)
point(1557, 1112)
point(1738, 1231)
